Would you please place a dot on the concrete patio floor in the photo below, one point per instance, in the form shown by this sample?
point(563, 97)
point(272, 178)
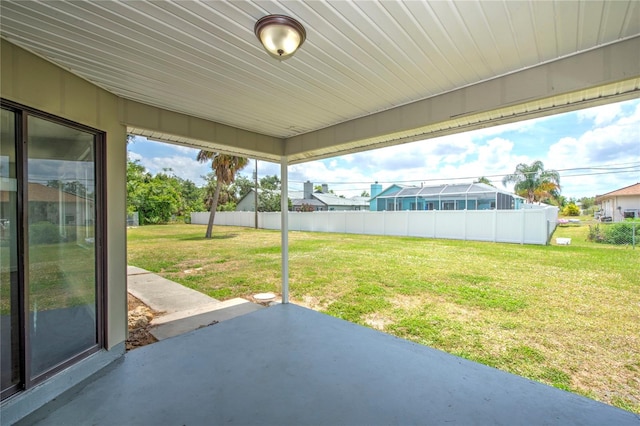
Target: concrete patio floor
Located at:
point(290, 365)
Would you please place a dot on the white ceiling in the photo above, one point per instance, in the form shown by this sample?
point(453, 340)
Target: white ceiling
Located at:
point(202, 58)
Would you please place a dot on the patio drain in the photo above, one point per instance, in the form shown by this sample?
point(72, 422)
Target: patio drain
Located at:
point(264, 298)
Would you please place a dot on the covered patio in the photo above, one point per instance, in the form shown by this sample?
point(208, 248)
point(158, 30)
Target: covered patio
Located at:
point(288, 365)
point(368, 75)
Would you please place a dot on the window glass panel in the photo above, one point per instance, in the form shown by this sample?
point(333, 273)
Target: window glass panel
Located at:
point(62, 261)
point(9, 285)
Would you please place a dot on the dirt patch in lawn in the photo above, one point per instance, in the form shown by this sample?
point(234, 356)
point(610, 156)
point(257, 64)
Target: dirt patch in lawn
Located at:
point(139, 319)
point(377, 321)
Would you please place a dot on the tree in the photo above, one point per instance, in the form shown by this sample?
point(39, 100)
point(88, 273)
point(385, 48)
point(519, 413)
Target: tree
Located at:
point(161, 200)
point(561, 201)
point(587, 202)
point(137, 177)
point(365, 194)
point(73, 187)
point(319, 189)
point(155, 198)
point(192, 198)
point(271, 183)
point(484, 180)
point(533, 182)
point(227, 197)
point(242, 186)
point(76, 187)
point(225, 168)
point(158, 198)
point(269, 201)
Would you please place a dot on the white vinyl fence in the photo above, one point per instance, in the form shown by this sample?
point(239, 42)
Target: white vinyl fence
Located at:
point(525, 226)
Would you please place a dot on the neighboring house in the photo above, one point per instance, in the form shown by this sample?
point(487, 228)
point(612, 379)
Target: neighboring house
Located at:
point(474, 196)
point(47, 204)
point(336, 203)
point(247, 203)
point(620, 204)
point(326, 201)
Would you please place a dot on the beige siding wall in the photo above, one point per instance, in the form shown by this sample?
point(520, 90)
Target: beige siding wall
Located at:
point(620, 204)
point(36, 83)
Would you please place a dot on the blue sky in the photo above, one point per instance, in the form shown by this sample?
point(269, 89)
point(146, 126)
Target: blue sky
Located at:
point(604, 141)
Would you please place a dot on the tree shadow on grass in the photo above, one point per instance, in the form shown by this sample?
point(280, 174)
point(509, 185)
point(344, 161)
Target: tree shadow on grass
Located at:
point(214, 237)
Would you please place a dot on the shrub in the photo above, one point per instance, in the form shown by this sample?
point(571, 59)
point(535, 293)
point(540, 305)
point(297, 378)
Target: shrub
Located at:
point(571, 210)
point(44, 233)
point(615, 233)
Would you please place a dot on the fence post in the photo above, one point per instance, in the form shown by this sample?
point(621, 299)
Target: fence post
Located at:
point(466, 219)
point(633, 235)
point(435, 223)
point(524, 226)
point(406, 224)
point(384, 222)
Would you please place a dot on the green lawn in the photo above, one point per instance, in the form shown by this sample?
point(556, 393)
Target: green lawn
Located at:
point(60, 275)
point(563, 315)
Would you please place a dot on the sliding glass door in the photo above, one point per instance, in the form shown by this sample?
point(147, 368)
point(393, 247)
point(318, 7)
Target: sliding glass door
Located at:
point(51, 254)
point(10, 347)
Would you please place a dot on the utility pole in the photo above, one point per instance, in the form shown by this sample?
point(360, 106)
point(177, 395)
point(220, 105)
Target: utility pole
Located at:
point(255, 199)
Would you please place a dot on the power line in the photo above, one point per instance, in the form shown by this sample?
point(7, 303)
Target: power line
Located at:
point(628, 167)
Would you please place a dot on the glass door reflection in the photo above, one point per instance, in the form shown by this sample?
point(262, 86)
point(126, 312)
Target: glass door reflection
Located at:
point(61, 252)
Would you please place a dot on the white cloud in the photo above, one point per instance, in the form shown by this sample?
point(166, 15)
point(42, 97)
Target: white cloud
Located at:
point(432, 161)
point(633, 118)
point(181, 166)
point(611, 145)
point(601, 114)
point(185, 149)
point(133, 156)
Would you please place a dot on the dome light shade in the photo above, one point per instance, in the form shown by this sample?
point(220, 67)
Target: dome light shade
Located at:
point(280, 35)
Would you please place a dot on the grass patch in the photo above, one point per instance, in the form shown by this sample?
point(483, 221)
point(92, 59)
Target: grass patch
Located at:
point(563, 315)
point(59, 275)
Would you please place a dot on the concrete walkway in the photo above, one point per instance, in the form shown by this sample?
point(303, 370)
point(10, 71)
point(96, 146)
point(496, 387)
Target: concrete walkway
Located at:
point(181, 309)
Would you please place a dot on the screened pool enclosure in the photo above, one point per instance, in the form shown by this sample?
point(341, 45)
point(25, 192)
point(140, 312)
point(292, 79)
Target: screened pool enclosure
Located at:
point(474, 196)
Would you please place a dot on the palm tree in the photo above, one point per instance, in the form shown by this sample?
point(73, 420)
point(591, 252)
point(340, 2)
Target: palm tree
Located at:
point(484, 180)
point(225, 168)
point(533, 182)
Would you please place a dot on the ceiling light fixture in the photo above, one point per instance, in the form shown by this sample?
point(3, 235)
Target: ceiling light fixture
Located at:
point(280, 35)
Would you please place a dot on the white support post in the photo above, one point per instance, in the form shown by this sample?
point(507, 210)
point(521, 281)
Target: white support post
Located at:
point(284, 226)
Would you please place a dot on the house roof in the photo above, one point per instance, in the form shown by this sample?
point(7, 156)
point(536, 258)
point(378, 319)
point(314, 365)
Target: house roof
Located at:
point(627, 191)
point(370, 74)
point(445, 190)
point(291, 194)
point(46, 194)
point(334, 200)
point(308, 201)
point(396, 186)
